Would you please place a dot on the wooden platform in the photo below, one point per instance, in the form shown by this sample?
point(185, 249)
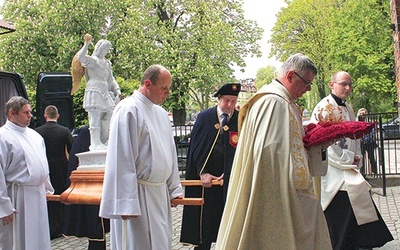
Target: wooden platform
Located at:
point(87, 185)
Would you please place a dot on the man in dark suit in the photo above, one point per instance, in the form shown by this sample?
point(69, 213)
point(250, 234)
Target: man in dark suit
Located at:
point(211, 150)
point(58, 141)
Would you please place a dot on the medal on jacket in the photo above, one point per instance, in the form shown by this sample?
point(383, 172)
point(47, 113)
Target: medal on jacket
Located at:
point(218, 126)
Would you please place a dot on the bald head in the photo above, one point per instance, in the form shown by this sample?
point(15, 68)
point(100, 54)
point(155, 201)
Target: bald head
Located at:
point(341, 84)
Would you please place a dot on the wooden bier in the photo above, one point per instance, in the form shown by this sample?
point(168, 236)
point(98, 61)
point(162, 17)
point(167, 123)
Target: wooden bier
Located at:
point(86, 188)
point(188, 201)
point(193, 201)
point(198, 183)
point(53, 197)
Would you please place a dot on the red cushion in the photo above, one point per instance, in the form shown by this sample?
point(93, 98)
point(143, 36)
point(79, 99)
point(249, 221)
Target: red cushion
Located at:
point(324, 132)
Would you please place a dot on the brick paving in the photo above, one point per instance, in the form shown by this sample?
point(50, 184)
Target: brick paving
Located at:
point(82, 243)
point(389, 207)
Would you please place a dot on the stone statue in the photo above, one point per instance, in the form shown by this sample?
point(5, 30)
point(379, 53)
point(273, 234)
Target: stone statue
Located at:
point(102, 92)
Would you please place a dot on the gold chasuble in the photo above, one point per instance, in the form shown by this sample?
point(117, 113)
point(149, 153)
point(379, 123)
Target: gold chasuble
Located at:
point(270, 203)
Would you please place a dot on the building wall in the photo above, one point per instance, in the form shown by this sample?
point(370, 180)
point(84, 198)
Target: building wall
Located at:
point(248, 89)
point(395, 16)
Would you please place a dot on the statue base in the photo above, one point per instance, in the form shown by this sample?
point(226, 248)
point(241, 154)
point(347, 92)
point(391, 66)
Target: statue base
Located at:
point(92, 160)
point(87, 180)
point(86, 187)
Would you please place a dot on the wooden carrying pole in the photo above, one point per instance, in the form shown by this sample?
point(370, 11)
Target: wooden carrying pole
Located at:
point(191, 183)
point(86, 188)
point(193, 201)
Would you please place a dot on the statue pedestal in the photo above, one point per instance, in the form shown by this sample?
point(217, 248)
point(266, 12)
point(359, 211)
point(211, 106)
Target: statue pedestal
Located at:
point(87, 181)
point(86, 187)
point(92, 160)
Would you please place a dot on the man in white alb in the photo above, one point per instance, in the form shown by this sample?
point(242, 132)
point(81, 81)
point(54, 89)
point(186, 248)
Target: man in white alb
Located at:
point(24, 181)
point(141, 174)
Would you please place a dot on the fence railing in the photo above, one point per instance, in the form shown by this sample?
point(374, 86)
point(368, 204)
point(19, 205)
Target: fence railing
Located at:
point(381, 149)
point(182, 139)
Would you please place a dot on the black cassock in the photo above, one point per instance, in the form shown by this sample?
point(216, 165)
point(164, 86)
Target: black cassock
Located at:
point(84, 220)
point(200, 223)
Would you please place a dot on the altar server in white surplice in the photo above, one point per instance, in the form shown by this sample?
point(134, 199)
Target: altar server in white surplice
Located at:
point(353, 220)
point(24, 181)
point(141, 174)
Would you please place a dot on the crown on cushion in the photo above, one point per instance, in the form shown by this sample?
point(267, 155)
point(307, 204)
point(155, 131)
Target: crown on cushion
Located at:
point(329, 114)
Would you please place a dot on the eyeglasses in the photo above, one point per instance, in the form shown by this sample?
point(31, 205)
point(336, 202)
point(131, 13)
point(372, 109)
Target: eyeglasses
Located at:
point(304, 81)
point(344, 84)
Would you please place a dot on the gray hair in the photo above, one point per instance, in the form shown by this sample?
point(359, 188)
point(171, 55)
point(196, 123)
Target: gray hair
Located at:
point(299, 63)
point(15, 104)
point(152, 73)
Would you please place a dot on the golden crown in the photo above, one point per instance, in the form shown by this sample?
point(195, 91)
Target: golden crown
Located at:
point(329, 114)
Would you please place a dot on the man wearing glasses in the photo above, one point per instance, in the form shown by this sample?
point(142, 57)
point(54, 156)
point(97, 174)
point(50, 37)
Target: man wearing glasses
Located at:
point(270, 202)
point(353, 220)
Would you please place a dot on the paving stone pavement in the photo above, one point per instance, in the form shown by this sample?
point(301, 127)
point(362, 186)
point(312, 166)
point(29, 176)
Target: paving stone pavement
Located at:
point(81, 243)
point(389, 206)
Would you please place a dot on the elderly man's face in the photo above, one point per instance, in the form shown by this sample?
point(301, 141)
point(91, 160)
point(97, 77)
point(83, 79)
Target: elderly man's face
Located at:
point(300, 83)
point(227, 103)
point(159, 91)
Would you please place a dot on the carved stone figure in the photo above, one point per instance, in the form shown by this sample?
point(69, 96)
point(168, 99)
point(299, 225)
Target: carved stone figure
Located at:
point(102, 92)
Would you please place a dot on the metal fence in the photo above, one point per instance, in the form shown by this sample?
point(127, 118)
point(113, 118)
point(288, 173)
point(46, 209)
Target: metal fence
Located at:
point(182, 139)
point(381, 150)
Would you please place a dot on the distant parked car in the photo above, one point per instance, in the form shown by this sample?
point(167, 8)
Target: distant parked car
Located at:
point(182, 140)
point(391, 129)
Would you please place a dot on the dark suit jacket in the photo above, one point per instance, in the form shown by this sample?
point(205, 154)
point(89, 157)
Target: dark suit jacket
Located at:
point(58, 139)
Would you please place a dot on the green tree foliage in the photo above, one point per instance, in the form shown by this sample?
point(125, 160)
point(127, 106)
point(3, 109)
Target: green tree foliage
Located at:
point(350, 35)
point(81, 117)
point(303, 26)
point(198, 41)
point(49, 33)
point(265, 76)
point(362, 38)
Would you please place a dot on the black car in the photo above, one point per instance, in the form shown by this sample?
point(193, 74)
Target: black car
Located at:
point(11, 84)
point(52, 88)
point(391, 129)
